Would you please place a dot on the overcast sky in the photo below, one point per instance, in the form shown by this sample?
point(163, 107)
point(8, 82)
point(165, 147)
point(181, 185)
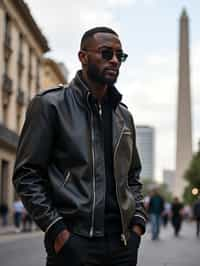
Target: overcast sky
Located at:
point(148, 80)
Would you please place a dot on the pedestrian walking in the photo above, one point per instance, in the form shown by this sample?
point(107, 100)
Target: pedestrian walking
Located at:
point(77, 168)
point(4, 213)
point(156, 208)
point(26, 221)
point(176, 215)
point(196, 214)
point(187, 213)
point(166, 213)
point(18, 209)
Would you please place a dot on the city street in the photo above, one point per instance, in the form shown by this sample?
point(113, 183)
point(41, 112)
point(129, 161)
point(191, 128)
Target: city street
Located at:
point(171, 251)
point(27, 249)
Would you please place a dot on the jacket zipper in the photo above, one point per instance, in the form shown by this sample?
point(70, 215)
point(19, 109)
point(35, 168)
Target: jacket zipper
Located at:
point(100, 110)
point(94, 181)
point(67, 176)
point(91, 232)
point(93, 168)
point(123, 237)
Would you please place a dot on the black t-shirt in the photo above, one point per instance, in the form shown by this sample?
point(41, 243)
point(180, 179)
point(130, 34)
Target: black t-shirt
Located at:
point(112, 221)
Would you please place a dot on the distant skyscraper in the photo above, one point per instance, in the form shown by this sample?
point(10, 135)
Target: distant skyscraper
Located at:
point(145, 144)
point(168, 179)
point(184, 122)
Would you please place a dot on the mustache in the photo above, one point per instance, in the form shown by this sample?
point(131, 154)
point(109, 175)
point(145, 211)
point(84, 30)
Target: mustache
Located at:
point(115, 69)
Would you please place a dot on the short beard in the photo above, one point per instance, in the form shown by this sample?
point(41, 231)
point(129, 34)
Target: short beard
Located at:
point(95, 75)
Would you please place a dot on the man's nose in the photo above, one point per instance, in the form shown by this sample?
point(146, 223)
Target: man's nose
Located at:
point(114, 59)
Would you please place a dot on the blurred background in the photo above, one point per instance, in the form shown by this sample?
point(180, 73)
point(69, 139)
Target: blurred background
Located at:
point(39, 43)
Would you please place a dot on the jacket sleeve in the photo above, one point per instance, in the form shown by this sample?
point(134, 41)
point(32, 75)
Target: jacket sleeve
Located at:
point(140, 216)
point(34, 153)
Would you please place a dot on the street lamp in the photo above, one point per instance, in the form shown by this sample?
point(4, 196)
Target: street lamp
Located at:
point(195, 191)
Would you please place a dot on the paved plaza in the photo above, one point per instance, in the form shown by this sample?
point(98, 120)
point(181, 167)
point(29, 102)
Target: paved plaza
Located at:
point(27, 248)
point(170, 250)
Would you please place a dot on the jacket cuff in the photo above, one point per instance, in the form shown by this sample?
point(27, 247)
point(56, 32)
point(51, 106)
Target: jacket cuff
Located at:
point(139, 220)
point(54, 229)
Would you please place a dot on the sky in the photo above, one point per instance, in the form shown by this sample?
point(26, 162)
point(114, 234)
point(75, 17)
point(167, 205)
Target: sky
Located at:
point(149, 32)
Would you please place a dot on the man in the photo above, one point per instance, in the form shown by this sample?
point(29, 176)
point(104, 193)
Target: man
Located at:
point(176, 215)
point(196, 214)
point(18, 209)
point(77, 167)
point(156, 208)
point(4, 213)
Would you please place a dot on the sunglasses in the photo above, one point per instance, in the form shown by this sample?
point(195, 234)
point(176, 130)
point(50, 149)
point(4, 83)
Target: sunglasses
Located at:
point(108, 54)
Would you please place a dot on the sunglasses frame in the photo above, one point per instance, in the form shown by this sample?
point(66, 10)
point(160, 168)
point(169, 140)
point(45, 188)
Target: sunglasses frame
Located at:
point(103, 52)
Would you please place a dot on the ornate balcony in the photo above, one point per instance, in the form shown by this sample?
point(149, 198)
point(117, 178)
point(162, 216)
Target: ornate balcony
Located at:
point(20, 62)
point(7, 47)
point(7, 84)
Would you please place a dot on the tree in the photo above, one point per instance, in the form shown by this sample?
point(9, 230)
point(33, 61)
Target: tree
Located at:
point(192, 176)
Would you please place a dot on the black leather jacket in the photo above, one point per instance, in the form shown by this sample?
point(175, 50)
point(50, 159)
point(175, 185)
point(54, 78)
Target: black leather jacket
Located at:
point(59, 170)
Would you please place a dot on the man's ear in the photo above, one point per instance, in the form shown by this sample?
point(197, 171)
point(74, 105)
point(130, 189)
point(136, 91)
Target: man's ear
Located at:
point(83, 57)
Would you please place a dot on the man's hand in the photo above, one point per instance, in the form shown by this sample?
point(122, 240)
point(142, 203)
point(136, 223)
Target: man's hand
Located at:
point(137, 229)
point(61, 238)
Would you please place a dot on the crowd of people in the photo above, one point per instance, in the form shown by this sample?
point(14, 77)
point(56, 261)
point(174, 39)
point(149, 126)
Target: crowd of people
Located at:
point(162, 212)
point(22, 221)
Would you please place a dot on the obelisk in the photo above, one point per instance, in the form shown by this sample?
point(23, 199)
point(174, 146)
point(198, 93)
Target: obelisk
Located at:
point(184, 121)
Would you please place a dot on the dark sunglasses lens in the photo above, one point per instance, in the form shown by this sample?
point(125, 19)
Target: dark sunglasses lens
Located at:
point(119, 56)
point(107, 54)
point(122, 57)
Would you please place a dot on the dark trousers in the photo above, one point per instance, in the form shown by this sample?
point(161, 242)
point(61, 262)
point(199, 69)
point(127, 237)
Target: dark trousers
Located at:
point(198, 226)
point(176, 222)
point(17, 219)
point(101, 251)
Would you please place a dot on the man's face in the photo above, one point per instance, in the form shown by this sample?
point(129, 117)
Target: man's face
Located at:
point(102, 54)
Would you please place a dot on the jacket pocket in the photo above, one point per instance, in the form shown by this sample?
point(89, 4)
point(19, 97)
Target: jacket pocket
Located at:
point(134, 240)
point(65, 245)
point(49, 245)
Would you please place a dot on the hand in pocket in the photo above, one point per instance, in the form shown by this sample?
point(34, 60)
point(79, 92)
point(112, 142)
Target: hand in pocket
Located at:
point(60, 241)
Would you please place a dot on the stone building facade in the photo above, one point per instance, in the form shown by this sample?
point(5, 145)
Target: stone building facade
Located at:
point(53, 73)
point(22, 46)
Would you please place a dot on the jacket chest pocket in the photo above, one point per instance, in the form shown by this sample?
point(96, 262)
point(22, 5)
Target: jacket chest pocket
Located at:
point(127, 143)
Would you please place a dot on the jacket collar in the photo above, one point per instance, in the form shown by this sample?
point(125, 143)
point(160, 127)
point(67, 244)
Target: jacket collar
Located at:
point(113, 94)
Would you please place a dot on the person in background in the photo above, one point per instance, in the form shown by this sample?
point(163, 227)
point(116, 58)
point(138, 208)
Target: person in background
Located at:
point(4, 213)
point(146, 202)
point(26, 221)
point(187, 213)
point(196, 214)
point(18, 209)
point(77, 167)
point(156, 208)
point(176, 215)
point(166, 213)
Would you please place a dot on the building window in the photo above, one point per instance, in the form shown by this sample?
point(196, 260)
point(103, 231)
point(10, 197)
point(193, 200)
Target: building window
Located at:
point(5, 114)
point(19, 115)
point(20, 57)
point(20, 93)
point(4, 175)
point(7, 81)
point(7, 40)
point(30, 75)
point(7, 50)
point(38, 76)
